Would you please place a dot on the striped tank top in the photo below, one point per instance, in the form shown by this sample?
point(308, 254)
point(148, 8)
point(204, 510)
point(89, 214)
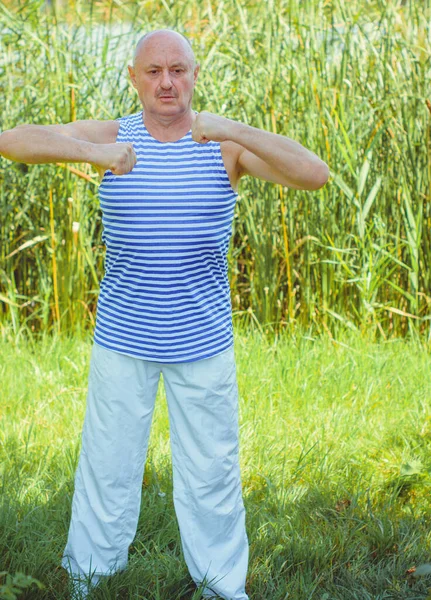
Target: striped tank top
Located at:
point(165, 294)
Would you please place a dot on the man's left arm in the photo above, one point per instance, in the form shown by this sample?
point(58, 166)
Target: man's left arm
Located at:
point(269, 156)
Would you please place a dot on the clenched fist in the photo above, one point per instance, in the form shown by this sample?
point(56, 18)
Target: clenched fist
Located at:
point(120, 158)
point(208, 126)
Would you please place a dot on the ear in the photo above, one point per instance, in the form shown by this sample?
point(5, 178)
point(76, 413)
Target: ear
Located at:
point(195, 73)
point(132, 75)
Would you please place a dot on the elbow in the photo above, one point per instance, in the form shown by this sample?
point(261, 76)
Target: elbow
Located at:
point(8, 142)
point(321, 177)
point(4, 137)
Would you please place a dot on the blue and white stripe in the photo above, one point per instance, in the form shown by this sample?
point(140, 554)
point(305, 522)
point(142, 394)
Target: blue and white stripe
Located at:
point(165, 295)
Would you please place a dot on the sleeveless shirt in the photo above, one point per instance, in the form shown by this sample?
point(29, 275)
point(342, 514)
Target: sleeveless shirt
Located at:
point(165, 294)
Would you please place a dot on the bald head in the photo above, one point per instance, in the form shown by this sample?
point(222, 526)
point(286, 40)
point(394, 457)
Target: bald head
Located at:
point(164, 73)
point(161, 37)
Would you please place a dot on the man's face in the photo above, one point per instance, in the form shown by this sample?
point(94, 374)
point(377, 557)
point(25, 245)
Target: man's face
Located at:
point(163, 75)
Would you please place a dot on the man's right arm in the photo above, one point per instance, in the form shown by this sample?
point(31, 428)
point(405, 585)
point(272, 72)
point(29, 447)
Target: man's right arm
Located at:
point(80, 141)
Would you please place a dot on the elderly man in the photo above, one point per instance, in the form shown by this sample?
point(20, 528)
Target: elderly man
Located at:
point(168, 192)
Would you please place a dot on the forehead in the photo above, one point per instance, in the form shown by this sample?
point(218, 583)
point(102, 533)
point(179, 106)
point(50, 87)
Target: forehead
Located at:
point(164, 50)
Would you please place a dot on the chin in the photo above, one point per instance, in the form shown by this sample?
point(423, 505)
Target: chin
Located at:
point(173, 108)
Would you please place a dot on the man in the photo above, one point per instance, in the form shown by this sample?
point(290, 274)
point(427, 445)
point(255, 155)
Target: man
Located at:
point(170, 178)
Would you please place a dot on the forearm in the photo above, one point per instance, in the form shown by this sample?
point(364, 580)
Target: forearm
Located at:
point(35, 144)
point(278, 151)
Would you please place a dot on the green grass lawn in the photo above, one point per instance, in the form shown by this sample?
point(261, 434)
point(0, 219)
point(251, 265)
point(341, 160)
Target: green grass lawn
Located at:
point(335, 457)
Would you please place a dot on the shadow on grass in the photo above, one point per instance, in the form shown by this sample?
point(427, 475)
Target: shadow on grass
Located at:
point(306, 541)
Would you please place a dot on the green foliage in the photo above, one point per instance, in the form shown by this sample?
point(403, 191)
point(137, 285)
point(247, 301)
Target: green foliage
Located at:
point(15, 584)
point(355, 252)
point(335, 447)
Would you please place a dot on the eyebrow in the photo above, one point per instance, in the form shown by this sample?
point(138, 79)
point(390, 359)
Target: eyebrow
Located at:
point(177, 64)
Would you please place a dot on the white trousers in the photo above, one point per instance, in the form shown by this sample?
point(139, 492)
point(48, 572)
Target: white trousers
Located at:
point(202, 400)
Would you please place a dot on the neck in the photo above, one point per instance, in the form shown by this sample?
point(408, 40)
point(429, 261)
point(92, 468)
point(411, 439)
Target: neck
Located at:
point(168, 128)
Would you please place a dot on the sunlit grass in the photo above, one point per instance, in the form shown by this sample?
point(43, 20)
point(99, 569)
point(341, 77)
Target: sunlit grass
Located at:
point(335, 456)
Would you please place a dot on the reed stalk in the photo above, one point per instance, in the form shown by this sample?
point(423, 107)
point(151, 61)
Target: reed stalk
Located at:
point(355, 253)
point(54, 260)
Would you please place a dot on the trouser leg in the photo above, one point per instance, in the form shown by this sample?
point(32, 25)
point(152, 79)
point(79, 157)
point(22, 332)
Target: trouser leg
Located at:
point(202, 399)
point(108, 479)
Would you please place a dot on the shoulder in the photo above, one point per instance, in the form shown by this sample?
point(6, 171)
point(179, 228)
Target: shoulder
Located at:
point(231, 148)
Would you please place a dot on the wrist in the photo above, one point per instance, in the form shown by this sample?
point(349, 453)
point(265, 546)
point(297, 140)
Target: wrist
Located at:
point(89, 152)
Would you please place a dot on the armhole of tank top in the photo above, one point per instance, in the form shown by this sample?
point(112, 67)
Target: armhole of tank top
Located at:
point(123, 124)
point(220, 157)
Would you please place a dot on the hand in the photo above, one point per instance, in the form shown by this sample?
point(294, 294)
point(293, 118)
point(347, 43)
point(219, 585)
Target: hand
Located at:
point(120, 158)
point(208, 126)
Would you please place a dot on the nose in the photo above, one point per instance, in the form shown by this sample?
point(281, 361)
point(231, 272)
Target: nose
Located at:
point(166, 82)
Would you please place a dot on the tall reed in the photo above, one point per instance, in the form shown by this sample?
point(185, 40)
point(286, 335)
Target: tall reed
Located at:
point(355, 253)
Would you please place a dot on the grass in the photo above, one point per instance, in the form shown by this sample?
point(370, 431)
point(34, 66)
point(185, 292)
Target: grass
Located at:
point(335, 455)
